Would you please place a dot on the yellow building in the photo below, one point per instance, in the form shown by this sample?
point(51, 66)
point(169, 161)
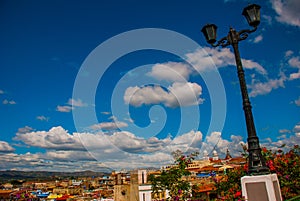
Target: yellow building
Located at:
point(137, 189)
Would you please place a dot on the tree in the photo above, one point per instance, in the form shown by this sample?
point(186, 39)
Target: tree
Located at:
point(173, 179)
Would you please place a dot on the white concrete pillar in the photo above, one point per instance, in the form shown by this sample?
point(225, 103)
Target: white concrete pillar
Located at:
point(261, 188)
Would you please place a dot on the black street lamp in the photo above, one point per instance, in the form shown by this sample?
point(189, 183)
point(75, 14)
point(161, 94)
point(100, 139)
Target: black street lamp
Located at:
point(256, 162)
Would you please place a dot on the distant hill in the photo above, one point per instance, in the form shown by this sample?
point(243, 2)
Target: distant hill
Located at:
point(44, 175)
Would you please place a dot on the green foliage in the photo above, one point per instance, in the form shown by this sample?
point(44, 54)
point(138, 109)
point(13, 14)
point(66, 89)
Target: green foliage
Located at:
point(285, 164)
point(287, 167)
point(173, 178)
point(229, 186)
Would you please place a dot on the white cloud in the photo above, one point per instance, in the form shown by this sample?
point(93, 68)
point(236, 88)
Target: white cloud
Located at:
point(171, 71)
point(284, 131)
point(130, 120)
point(288, 53)
point(267, 18)
point(18, 161)
point(113, 118)
point(71, 105)
point(119, 150)
point(5, 147)
point(288, 73)
point(65, 155)
point(295, 63)
point(25, 129)
point(287, 11)
point(65, 108)
point(8, 102)
point(125, 147)
point(186, 94)
point(188, 142)
point(109, 125)
point(76, 103)
point(182, 93)
point(56, 138)
point(207, 58)
point(258, 39)
point(214, 141)
point(296, 130)
point(289, 140)
point(51, 161)
point(179, 94)
point(131, 151)
point(1, 91)
point(259, 88)
point(297, 102)
point(138, 96)
point(42, 118)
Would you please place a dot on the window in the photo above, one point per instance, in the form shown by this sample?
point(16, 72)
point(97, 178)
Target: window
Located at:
point(143, 178)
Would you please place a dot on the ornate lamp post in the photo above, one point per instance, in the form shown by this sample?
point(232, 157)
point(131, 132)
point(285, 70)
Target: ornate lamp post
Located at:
point(257, 163)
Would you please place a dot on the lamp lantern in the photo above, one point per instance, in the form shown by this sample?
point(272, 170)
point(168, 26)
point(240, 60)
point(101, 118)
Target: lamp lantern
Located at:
point(252, 14)
point(210, 33)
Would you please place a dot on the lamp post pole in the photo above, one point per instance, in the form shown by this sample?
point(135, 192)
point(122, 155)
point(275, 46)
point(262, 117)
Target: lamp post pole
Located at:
point(256, 162)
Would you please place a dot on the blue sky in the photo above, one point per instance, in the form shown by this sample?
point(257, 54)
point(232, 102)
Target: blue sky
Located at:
point(122, 84)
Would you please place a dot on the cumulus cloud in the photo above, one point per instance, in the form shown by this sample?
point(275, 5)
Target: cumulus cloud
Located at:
point(214, 141)
point(118, 150)
point(188, 142)
point(287, 11)
point(179, 94)
point(5, 147)
point(56, 138)
point(208, 58)
point(128, 142)
point(124, 147)
point(171, 71)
